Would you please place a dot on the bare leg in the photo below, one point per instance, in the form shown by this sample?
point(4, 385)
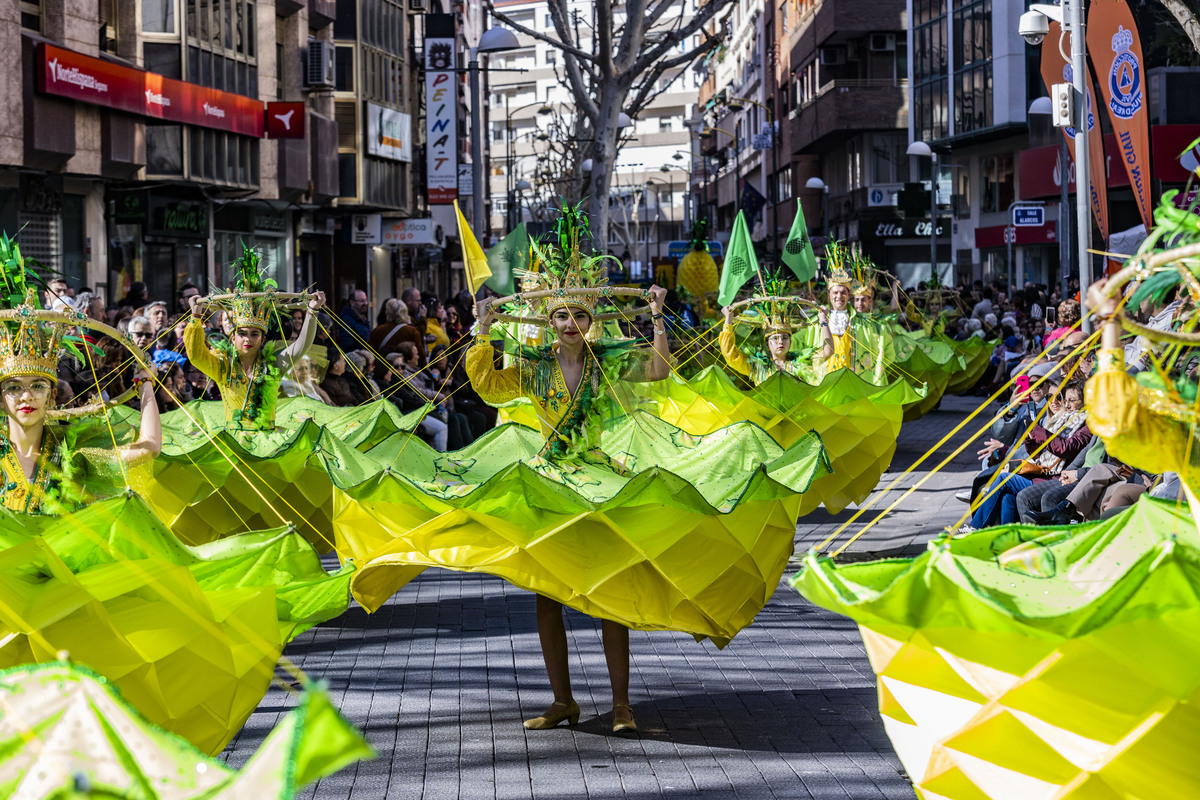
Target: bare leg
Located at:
point(552, 632)
point(616, 655)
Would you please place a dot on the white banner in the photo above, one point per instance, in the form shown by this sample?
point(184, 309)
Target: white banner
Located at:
point(389, 133)
point(441, 122)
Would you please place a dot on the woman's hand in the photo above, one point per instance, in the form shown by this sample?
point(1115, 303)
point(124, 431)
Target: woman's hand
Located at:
point(657, 296)
point(1100, 304)
point(315, 301)
point(728, 312)
point(195, 305)
point(485, 314)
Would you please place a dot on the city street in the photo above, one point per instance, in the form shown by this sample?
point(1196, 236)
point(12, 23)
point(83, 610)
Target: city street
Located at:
point(441, 677)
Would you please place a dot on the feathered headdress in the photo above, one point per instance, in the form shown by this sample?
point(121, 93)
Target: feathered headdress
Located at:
point(559, 265)
point(28, 346)
point(837, 261)
point(776, 312)
point(862, 272)
point(250, 278)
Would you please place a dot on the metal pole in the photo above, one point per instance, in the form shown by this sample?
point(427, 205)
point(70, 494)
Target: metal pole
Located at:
point(828, 230)
point(1073, 15)
point(774, 182)
point(476, 148)
point(933, 176)
point(1010, 233)
point(1064, 211)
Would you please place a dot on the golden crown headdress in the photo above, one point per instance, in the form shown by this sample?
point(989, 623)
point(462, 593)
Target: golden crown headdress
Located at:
point(558, 266)
point(28, 346)
point(862, 276)
point(774, 310)
point(837, 261)
point(251, 278)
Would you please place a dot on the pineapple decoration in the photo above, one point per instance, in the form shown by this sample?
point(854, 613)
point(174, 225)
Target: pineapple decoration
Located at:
point(697, 271)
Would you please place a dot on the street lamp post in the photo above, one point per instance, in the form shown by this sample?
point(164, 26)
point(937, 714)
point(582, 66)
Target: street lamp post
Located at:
point(1033, 27)
point(495, 40)
point(922, 149)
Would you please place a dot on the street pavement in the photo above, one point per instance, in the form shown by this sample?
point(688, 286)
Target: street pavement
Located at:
point(440, 678)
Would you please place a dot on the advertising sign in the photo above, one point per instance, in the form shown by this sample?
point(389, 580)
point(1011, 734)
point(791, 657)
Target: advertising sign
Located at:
point(413, 231)
point(65, 73)
point(285, 120)
point(441, 122)
point(366, 229)
point(1116, 52)
point(389, 133)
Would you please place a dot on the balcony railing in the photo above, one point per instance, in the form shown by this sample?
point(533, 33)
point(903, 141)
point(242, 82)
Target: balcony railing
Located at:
point(847, 84)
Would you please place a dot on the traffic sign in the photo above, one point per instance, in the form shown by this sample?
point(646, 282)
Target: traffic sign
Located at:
point(1028, 216)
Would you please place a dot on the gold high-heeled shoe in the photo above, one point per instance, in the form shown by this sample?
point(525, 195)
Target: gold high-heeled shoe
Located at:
point(554, 715)
point(622, 725)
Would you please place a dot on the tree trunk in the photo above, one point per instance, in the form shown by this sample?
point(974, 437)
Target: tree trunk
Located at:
point(604, 153)
point(1187, 20)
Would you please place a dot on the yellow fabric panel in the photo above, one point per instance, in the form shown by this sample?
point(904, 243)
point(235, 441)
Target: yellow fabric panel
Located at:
point(734, 357)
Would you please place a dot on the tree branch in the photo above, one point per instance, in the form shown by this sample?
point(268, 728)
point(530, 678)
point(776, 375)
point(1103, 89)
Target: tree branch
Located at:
point(541, 37)
point(633, 36)
point(696, 23)
point(1187, 20)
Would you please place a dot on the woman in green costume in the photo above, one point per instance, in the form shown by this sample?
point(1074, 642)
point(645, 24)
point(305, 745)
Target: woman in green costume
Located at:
point(246, 368)
point(776, 316)
point(568, 380)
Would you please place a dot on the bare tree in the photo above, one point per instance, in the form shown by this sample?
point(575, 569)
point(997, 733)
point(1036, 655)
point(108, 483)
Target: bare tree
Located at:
point(615, 64)
point(1187, 18)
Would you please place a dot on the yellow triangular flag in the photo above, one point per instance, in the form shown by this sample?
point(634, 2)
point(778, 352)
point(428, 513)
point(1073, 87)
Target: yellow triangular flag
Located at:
point(477, 265)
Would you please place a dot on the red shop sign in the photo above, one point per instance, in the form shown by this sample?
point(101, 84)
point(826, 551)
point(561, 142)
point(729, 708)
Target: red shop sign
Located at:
point(285, 120)
point(66, 73)
point(994, 235)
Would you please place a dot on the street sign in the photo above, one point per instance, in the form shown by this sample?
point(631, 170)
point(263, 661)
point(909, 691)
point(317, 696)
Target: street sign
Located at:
point(679, 249)
point(1028, 216)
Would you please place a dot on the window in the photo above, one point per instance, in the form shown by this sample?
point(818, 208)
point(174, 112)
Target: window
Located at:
point(930, 94)
point(549, 21)
point(222, 45)
point(551, 57)
point(973, 67)
point(998, 187)
point(31, 15)
point(889, 164)
point(158, 16)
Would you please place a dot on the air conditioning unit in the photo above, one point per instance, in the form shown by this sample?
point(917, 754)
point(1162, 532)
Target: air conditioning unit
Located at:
point(883, 42)
point(418, 5)
point(320, 70)
point(832, 56)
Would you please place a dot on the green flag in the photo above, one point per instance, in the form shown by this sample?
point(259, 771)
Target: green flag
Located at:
point(505, 256)
point(740, 262)
point(797, 250)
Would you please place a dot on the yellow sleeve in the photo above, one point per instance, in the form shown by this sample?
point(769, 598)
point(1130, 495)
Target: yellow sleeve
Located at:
point(734, 357)
point(198, 351)
point(1132, 432)
point(493, 385)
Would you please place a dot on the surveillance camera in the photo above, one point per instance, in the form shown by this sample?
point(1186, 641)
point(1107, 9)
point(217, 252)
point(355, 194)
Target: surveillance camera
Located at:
point(1033, 27)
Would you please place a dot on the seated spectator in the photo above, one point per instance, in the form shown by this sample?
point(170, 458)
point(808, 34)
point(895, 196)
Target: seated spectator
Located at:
point(301, 382)
point(1066, 320)
point(335, 384)
point(361, 366)
point(401, 391)
point(1050, 446)
point(397, 327)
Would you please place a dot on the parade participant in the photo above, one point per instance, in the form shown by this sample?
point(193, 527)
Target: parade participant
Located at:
point(778, 315)
point(569, 378)
point(843, 338)
point(246, 367)
point(566, 511)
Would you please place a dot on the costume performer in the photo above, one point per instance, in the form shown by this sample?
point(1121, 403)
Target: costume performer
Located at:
point(843, 338)
point(113, 587)
point(245, 463)
point(601, 511)
point(1059, 661)
point(778, 318)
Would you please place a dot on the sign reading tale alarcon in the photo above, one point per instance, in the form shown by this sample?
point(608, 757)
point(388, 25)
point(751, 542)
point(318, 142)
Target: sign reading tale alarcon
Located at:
point(1116, 53)
point(441, 122)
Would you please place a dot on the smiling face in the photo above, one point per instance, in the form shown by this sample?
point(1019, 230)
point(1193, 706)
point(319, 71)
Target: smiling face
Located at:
point(570, 324)
point(26, 398)
point(839, 296)
point(248, 341)
point(779, 344)
point(864, 303)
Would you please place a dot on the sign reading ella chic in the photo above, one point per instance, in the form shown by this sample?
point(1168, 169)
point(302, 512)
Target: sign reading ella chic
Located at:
point(902, 230)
